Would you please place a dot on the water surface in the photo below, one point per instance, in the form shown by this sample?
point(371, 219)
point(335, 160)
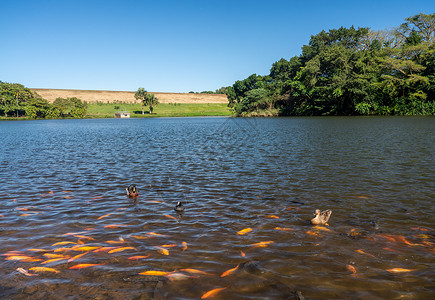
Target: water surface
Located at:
point(64, 181)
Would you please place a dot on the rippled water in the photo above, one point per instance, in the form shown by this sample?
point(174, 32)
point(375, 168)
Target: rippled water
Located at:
point(64, 181)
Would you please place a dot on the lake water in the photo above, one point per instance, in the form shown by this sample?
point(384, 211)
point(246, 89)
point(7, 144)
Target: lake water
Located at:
point(62, 194)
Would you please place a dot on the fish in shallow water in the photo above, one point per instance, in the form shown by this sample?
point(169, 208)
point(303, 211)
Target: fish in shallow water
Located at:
point(212, 293)
point(22, 271)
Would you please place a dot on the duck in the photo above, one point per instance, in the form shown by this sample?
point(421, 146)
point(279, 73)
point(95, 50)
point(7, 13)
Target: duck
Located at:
point(179, 207)
point(321, 218)
point(132, 191)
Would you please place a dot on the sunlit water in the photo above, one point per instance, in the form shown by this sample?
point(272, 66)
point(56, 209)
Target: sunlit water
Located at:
point(64, 181)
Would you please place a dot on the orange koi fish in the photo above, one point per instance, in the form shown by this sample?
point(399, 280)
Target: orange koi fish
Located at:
point(156, 273)
point(169, 245)
point(155, 234)
point(244, 231)
point(120, 241)
point(323, 228)
point(82, 266)
point(420, 228)
point(53, 260)
point(18, 257)
point(62, 249)
point(22, 271)
point(84, 248)
point(137, 257)
point(115, 226)
point(38, 250)
point(154, 201)
point(162, 251)
point(362, 252)
point(352, 269)
point(272, 217)
point(43, 269)
point(12, 253)
point(195, 271)
point(312, 233)
point(106, 249)
point(230, 271)
point(51, 192)
point(63, 243)
point(284, 229)
point(99, 218)
point(262, 244)
point(121, 249)
point(184, 245)
point(170, 217)
point(242, 254)
point(77, 257)
point(400, 270)
point(140, 237)
point(212, 293)
point(52, 255)
point(178, 276)
point(66, 191)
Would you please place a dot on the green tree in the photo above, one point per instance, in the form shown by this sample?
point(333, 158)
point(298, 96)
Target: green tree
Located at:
point(151, 101)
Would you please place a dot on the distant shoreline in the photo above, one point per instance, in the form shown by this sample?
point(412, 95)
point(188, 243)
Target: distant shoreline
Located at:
point(93, 96)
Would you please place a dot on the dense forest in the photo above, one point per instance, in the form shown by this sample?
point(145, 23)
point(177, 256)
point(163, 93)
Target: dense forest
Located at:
point(18, 101)
point(349, 71)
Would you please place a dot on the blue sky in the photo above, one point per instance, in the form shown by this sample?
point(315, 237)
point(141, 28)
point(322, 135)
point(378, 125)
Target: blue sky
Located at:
point(169, 46)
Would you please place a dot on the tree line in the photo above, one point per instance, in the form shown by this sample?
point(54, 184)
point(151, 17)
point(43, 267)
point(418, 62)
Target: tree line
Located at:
point(18, 101)
point(349, 71)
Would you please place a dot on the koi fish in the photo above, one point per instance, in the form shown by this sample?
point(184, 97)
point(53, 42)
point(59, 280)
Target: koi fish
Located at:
point(99, 218)
point(107, 249)
point(18, 257)
point(262, 244)
point(137, 257)
point(351, 269)
point(420, 228)
point(63, 243)
point(400, 270)
point(212, 293)
point(162, 251)
point(84, 248)
point(43, 269)
point(66, 191)
point(51, 192)
point(12, 253)
point(284, 229)
point(169, 245)
point(184, 245)
point(154, 201)
point(170, 217)
point(230, 271)
point(156, 273)
point(52, 255)
point(242, 254)
point(244, 231)
point(67, 197)
point(120, 241)
point(121, 249)
point(37, 250)
point(22, 271)
point(272, 217)
point(178, 276)
point(155, 234)
point(77, 257)
point(194, 271)
point(362, 252)
point(62, 249)
point(140, 237)
point(53, 260)
point(115, 226)
point(391, 250)
point(312, 233)
point(82, 266)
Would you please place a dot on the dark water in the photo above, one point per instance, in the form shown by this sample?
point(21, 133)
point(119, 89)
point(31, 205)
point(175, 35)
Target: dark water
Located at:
point(64, 181)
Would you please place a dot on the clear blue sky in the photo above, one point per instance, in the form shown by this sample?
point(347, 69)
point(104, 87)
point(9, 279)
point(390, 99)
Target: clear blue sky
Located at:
point(169, 46)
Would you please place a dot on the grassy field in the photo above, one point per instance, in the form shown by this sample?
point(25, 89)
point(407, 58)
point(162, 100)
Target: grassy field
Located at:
point(107, 110)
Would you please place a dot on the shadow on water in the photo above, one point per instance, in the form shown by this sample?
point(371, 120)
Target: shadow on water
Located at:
point(249, 188)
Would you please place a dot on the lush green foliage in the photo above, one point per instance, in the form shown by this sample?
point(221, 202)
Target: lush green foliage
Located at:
point(19, 101)
point(349, 71)
point(146, 99)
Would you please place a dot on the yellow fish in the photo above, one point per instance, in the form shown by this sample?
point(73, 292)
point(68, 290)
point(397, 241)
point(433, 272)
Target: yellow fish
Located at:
point(272, 217)
point(77, 257)
point(194, 271)
point(81, 266)
point(322, 228)
point(53, 260)
point(43, 269)
point(212, 293)
point(244, 231)
point(163, 251)
point(184, 245)
point(362, 252)
point(51, 255)
point(262, 244)
point(121, 249)
point(156, 273)
point(63, 243)
point(84, 248)
point(400, 270)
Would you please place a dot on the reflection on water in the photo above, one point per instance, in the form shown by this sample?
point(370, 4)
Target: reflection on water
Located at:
point(249, 186)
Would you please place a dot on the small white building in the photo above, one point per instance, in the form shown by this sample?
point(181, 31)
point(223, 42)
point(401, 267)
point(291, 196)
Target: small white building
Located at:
point(122, 114)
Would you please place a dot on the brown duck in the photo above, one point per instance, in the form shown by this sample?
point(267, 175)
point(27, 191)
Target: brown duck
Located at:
point(321, 218)
point(132, 191)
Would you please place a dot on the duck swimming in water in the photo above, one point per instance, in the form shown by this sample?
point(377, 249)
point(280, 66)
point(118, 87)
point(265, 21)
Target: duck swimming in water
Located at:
point(179, 207)
point(132, 191)
point(321, 218)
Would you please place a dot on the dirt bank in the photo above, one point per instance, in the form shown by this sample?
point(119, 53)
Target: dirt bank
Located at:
point(119, 96)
